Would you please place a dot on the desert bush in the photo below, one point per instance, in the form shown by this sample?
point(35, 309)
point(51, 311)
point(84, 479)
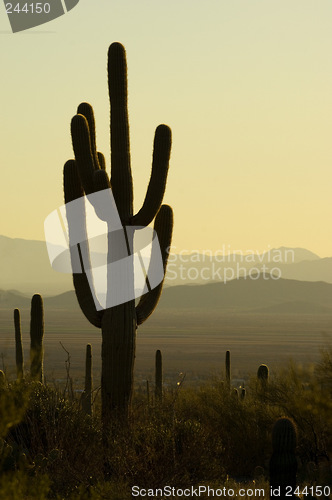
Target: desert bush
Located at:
point(297, 393)
point(193, 436)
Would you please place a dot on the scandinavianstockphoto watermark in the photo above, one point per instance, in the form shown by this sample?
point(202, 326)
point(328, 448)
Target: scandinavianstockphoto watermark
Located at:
point(226, 264)
point(120, 263)
point(86, 236)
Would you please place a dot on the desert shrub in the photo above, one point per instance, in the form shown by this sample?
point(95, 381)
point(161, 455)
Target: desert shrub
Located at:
point(298, 394)
point(19, 485)
point(57, 439)
point(237, 430)
point(194, 436)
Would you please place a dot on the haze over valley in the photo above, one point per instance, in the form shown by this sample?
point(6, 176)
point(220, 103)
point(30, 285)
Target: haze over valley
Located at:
point(259, 318)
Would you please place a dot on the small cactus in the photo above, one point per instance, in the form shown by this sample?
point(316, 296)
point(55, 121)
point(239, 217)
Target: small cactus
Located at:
point(283, 462)
point(2, 380)
point(18, 345)
point(159, 376)
point(36, 337)
point(228, 370)
point(87, 393)
point(148, 392)
point(263, 373)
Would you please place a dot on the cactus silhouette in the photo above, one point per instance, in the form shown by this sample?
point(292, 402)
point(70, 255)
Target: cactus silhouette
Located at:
point(283, 462)
point(18, 345)
point(87, 393)
point(36, 338)
point(228, 370)
point(3, 382)
point(159, 376)
point(87, 174)
point(263, 373)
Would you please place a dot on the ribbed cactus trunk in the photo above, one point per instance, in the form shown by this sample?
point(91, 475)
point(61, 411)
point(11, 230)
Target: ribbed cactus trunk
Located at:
point(87, 393)
point(228, 370)
point(283, 462)
point(36, 337)
point(87, 175)
point(159, 376)
point(18, 345)
point(118, 355)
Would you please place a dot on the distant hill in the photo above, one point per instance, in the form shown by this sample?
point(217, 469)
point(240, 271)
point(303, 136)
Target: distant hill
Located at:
point(11, 299)
point(261, 295)
point(24, 266)
point(309, 270)
point(298, 307)
point(297, 263)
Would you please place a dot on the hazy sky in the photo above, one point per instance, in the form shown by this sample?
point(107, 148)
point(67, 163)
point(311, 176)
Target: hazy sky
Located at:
point(245, 85)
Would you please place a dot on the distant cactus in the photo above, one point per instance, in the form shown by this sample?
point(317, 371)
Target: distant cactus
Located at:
point(148, 392)
point(18, 345)
point(159, 376)
point(2, 380)
point(263, 375)
point(86, 175)
point(228, 370)
point(36, 337)
point(87, 393)
point(283, 462)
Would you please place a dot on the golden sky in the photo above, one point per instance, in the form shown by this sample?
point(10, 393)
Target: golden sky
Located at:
point(245, 85)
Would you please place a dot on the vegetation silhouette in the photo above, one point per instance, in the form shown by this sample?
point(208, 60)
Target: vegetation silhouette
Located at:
point(202, 435)
point(87, 174)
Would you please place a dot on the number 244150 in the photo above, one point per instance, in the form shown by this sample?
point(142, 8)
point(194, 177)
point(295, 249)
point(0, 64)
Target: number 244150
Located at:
point(37, 8)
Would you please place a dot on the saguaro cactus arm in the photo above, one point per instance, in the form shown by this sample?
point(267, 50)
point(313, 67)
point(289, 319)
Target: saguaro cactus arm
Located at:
point(73, 190)
point(163, 227)
point(121, 179)
point(157, 185)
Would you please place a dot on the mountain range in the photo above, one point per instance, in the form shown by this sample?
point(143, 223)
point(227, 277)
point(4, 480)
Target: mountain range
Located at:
point(25, 266)
point(259, 294)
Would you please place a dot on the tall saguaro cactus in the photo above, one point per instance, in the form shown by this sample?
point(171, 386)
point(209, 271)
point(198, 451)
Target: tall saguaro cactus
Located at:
point(18, 345)
point(36, 337)
point(86, 175)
